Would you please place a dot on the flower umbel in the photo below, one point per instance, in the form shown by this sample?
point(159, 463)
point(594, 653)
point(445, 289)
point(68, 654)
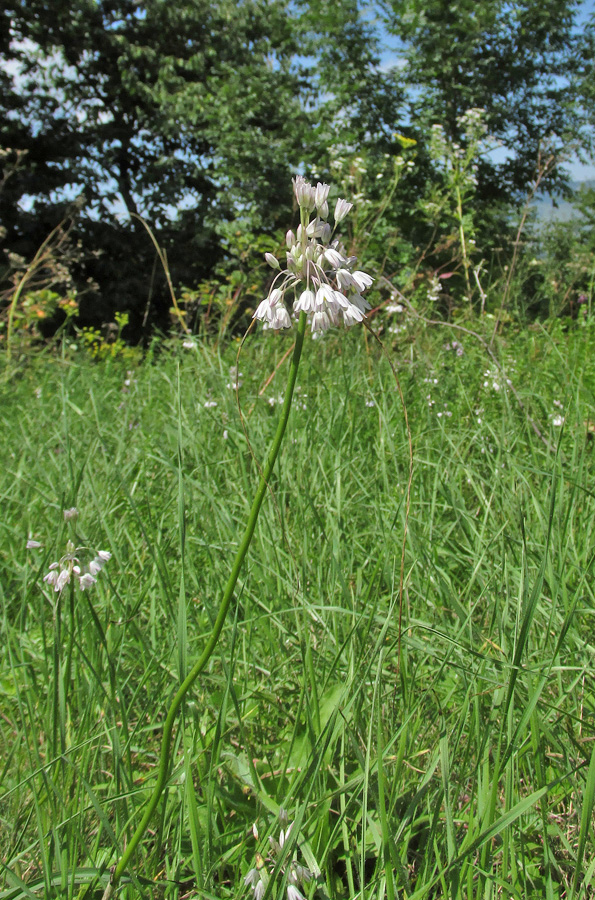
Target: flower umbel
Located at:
point(69, 568)
point(297, 875)
point(323, 279)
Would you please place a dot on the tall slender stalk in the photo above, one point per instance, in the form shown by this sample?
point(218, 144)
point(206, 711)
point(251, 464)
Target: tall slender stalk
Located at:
point(221, 616)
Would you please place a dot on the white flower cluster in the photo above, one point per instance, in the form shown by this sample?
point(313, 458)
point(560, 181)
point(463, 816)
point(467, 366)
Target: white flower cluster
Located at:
point(68, 567)
point(326, 285)
point(297, 875)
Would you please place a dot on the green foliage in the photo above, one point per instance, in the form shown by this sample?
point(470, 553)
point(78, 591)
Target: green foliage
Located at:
point(462, 770)
point(108, 344)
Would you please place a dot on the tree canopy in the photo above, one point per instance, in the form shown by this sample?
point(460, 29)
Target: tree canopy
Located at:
point(194, 114)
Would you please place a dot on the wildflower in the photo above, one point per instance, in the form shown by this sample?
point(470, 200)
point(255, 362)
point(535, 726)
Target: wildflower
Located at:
point(558, 421)
point(33, 545)
point(327, 286)
point(342, 209)
point(259, 876)
point(434, 289)
point(71, 515)
point(68, 568)
point(236, 379)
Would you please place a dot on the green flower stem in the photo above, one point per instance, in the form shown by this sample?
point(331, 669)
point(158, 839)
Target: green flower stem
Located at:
point(221, 616)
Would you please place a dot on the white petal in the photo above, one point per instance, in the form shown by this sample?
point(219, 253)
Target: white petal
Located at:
point(62, 580)
point(334, 258)
point(321, 194)
point(86, 581)
point(362, 280)
point(345, 279)
point(342, 208)
point(320, 322)
point(305, 301)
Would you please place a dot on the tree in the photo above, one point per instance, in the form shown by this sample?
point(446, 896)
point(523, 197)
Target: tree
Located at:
point(515, 59)
point(148, 107)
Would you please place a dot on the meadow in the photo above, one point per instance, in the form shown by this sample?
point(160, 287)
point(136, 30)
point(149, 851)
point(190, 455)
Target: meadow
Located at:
point(424, 717)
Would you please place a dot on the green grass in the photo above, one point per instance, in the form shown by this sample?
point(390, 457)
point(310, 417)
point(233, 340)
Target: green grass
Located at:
point(467, 772)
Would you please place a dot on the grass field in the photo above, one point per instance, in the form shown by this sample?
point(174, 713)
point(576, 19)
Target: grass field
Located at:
point(466, 769)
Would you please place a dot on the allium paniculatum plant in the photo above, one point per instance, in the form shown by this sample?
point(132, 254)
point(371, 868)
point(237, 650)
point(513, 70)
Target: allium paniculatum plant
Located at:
point(298, 875)
point(320, 282)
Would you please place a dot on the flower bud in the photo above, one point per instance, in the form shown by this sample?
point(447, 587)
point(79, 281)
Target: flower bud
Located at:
point(272, 261)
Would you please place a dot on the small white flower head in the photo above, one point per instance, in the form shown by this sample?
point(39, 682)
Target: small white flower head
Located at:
point(362, 280)
point(69, 568)
point(71, 515)
point(297, 875)
point(33, 545)
point(255, 831)
point(326, 285)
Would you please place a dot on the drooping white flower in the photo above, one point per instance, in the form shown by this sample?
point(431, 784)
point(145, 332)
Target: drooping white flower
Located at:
point(342, 209)
point(362, 280)
point(33, 545)
point(305, 302)
point(334, 258)
point(86, 581)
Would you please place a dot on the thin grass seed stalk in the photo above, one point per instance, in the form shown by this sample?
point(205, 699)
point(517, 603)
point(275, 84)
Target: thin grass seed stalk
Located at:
point(327, 290)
